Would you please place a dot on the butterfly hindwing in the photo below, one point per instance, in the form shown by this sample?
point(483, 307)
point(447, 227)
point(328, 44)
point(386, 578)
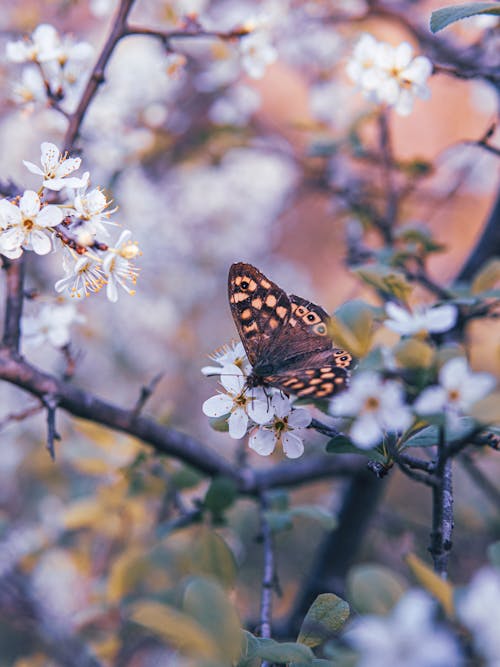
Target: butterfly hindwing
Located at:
point(285, 337)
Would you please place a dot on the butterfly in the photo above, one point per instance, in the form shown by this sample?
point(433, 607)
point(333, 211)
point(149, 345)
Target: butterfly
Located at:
point(285, 337)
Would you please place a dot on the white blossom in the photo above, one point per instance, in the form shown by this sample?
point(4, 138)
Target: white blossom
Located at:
point(31, 88)
point(56, 168)
point(91, 207)
point(51, 324)
point(234, 353)
point(285, 429)
point(118, 267)
point(257, 53)
point(431, 320)
point(408, 636)
point(43, 46)
point(84, 275)
point(389, 75)
point(376, 405)
point(27, 225)
point(478, 607)
point(239, 402)
point(458, 389)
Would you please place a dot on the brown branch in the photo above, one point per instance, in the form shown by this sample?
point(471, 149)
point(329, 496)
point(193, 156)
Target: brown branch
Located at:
point(442, 510)
point(164, 439)
point(14, 272)
point(118, 30)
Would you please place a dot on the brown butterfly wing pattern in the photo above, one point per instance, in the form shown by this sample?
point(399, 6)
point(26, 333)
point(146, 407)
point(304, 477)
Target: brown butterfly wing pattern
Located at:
point(285, 337)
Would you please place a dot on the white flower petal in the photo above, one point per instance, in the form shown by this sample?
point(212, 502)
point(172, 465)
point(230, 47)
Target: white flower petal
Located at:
point(454, 373)
point(40, 242)
point(35, 169)
point(49, 216)
point(260, 411)
point(281, 405)
point(232, 379)
point(263, 442)
point(292, 445)
point(366, 432)
point(49, 155)
point(441, 318)
point(431, 401)
point(299, 418)
point(217, 406)
point(10, 214)
point(238, 423)
point(29, 203)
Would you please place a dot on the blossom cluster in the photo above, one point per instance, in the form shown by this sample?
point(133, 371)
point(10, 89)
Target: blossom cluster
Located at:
point(389, 75)
point(55, 65)
point(29, 223)
point(271, 417)
point(373, 405)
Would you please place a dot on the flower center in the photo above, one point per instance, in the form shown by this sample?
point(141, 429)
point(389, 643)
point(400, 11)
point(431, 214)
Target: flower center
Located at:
point(371, 404)
point(28, 225)
point(281, 425)
point(453, 395)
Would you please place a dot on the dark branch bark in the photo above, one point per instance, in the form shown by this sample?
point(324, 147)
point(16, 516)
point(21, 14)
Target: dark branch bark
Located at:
point(339, 549)
point(442, 511)
point(268, 573)
point(14, 272)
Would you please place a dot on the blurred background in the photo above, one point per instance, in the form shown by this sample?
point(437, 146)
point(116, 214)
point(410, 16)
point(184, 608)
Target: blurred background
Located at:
point(209, 166)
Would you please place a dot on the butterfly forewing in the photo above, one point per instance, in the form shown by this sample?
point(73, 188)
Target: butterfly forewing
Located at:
point(285, 337)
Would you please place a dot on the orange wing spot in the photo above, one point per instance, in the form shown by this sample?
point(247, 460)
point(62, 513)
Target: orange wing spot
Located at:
point(315, 381)
point(238, 280)
point(270, 300)
point(265, 283)
point(327, 376)
point(252, 286)
point(280, 311)
point(307, 391)
point(294, 307)
point(325, 369)
point(301, 310)
point(251, 327)
point(273, 323)
point(297, 385)
point(310, 372)
point(289, 382)
point(257, 303)
point(292, 321)
point(246, 314)
point(339, 380)
point(240, 296)
point(322, 393)
point(327, 387)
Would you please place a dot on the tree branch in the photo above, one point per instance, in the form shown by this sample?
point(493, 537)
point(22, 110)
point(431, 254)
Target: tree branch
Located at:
point(268, 574)
point(14, 271)
point(442, 510)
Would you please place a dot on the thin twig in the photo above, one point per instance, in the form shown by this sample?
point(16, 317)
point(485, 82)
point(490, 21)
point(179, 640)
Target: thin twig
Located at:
point(51, 403)
point(268, 574)
point(146, 392)
point(442, 510)
point(20, 416)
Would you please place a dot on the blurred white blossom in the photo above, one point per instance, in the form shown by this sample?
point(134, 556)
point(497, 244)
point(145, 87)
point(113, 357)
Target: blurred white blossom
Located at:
point(240, 403)
point(376, 405)
point(118, 268)
point(51, 324)
point(478, 607)
point(408, 636)
point(421, 320)
point(458, 389)
point(257, 52)
point(84, 275)
point(389, 75)
point(236, 106)
point(285, 429)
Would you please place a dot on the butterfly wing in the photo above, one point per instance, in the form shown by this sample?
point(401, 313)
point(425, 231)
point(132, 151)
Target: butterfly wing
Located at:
point(315, 376)
point(260, 310)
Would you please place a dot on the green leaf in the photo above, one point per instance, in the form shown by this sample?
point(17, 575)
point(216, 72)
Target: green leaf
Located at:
point(325, 618)
point(494, 554)
point(221, 494)
point(249, 657)
point(317, 513)
point(447, 15)
point(341, 444)
point(211, 556)
point(185, 478)
point(487, 278)
point(374, 589)
point(206, 602)
point(271, 650)
point(352, 325)
point(386, 280)
point(219, 423)
point(278, 499)
point(429, 435)
point(278, 521)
